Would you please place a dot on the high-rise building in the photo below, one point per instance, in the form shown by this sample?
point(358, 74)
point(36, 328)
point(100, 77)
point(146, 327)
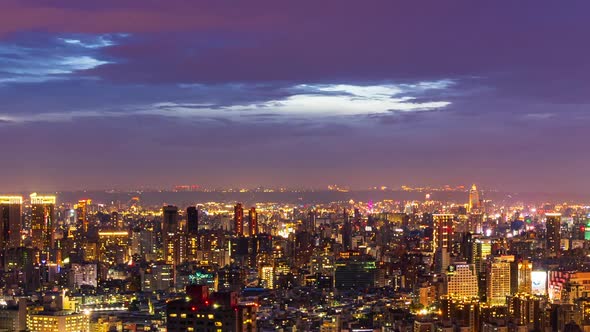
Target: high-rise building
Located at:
point(192, 220)
point(10, 221)
point(169, 232)
point(474, 203)
point(524, 283)
point(42, 222)
point(443, 231)
point(553, 233)
point(461, 281)
point(239, 220)
point(498, 279)
point(347, 232)
point(82, 213)
point(252, 222)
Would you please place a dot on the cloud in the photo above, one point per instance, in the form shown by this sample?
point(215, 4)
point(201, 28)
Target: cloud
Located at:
point(36, 59)
point(323, 101)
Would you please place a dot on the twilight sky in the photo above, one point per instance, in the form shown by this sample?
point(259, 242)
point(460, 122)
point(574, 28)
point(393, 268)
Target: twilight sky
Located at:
point(118, 93)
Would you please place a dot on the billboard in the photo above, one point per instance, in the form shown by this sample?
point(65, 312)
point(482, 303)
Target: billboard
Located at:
point(539, 282)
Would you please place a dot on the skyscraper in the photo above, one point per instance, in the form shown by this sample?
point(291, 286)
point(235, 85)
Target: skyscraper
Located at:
point(169, 232)
point(253, 222)
point(239, 219)
point(347, 232)
point(474, 203)
point(553, 233)
point(443, 231)
point(82, 213)
point(192, 220)
point(42, 222)
point(10, 221)
point(498, 279)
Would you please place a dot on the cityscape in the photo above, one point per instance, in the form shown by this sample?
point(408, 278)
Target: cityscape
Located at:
point(290, 166)
point(390, 265)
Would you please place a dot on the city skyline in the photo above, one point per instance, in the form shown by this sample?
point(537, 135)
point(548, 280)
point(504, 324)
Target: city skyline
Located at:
point(293, 94)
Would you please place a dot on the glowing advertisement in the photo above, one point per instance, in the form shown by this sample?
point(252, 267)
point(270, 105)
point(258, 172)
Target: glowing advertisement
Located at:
point(539, 282)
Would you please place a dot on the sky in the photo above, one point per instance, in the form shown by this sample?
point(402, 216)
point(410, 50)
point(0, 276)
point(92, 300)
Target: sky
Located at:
point(126, 94)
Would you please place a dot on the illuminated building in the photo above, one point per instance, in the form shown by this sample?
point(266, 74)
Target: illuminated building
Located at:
point(267, 276)
point(525, 268)
point(498, 280)
point(239, 220)
point(157, 278)
point(169, 232)
point(10, 221)
point(204, 312)
point(474, 202)
point(461, 281)
point(42, 222)
point(82, 213)
point(553, 233)
point(253, 222)
point(527, 310)
point(192, 220)
point(58, 321)
point(113, 247)
point(462, 312)
point(443, 230)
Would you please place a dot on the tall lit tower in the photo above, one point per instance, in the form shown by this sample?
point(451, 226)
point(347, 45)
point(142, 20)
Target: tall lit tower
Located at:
point(10, 221)
point(553, 233)
point(169, 231)
point(443, 240)
point(443, 230)
point(498, 279)
point(253, 222)
point(239, 219)
point(474, 204)
point(42, 222)
point(82, 213)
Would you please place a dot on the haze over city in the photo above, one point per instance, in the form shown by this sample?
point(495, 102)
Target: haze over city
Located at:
point(123, 94)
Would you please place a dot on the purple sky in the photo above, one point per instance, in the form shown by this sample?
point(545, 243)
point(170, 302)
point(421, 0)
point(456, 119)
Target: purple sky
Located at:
point(118, 94)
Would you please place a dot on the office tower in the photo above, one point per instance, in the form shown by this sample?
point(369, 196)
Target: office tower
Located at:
point(347, 232)
point(267, 277)
point(461, 281)
point(10, 221)
point(443, 231)
point(524, 282)
point(253, 222)
point(498, 279)
point(82, 213)
point(192, 220)
point(481, 249)
point(42, 222)
point(553, 233)
point(169, 232)
point(474, 203)
point(239, 220)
